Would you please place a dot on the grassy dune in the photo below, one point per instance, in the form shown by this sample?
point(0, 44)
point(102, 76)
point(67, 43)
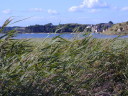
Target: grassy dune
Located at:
point(61, 67)
point(118, 29)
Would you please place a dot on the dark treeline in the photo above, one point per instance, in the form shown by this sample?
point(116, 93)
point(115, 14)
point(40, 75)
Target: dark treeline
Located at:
point(17, 28)
point(71, 27)
point(7, 28)
point(50, 28)
point(61, 28)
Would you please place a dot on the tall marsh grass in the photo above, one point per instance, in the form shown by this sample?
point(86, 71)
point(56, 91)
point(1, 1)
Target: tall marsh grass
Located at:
point(62, 67)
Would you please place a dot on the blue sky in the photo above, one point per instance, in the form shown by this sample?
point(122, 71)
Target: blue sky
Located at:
point(64, 11)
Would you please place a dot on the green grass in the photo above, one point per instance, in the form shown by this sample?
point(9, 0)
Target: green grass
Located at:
point(62, 67)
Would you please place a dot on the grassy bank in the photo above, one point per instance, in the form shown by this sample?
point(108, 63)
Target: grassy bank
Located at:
point(118, 29)
point(61, 67)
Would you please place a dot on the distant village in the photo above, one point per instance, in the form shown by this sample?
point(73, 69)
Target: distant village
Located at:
point(98, 28)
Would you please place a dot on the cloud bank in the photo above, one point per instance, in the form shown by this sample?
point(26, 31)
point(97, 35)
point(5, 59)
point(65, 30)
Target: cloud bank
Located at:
point(91, 4)
point(124, 9)
point(36, 9)
point(53, 12)
point(7, 11)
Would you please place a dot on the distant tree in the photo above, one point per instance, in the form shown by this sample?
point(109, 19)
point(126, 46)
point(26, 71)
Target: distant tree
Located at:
point(50, 28)
point(121, 28)
point(120, 24)
point(127, 22)
point(110, 22)
point(49, 24)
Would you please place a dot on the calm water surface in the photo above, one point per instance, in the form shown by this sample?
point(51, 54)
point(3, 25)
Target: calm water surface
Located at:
point(64, 35)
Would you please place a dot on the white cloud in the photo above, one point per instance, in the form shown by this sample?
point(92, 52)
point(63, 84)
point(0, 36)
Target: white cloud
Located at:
point(75, 8)
point(94, 4)
point(50, 11)
point(115, 8)
point(89, 4)
point(94, 10)
point(7, 11)
point(36, 9)
point(124, 9)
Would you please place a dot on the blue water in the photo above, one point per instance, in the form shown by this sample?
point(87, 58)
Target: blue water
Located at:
point(65, 35)
point(44, 35)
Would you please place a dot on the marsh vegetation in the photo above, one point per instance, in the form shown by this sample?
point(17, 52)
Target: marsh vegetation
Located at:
point(62, 67)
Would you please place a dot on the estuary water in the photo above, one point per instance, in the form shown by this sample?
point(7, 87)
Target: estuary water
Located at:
point(63, 35)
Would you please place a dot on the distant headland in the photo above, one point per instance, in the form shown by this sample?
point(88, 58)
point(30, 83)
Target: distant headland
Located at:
point(106, 28)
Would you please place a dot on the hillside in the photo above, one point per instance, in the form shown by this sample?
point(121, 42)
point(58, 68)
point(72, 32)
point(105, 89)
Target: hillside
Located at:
point(118, 29)
point(49, 28)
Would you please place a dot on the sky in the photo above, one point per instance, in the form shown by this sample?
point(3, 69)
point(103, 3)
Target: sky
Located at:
point(63, 11)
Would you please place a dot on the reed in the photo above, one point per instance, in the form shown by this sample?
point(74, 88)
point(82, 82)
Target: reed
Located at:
point(62, 67)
